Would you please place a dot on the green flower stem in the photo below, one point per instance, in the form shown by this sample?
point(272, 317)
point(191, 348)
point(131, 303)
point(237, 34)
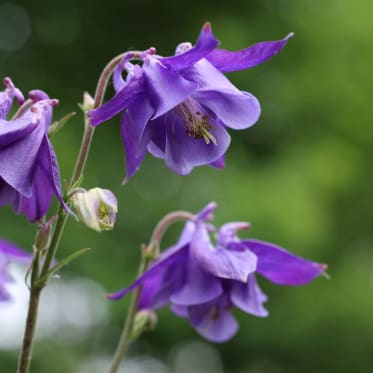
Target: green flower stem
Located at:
point(25, 357)
point(125, 338)
point(36, 274)
point(149, 253)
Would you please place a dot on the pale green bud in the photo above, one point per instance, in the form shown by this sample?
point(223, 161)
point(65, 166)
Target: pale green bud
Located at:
point(97, 208)
point(144, 320)
point(88, 102)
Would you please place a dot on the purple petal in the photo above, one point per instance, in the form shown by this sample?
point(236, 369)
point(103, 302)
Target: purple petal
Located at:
point(181, 311)
point(207, 213)
point(118, 103)
point(47, 161)
point(228, 232)
point(150, 287)
point(214, 321)
point(199, 287)
point(14, 253)
point(219, 163)
point(35, 207)
point(7, 194)
point(182, 152)
point(170, 257)
point(133, 124)
point(282, 267)
point(118, 80)
point(254, 55)
point(220, 262)
point(186, 234)
point(42, 109)
point(12, 131)
point(208, 77)
point(38, 95)
point(249, 297)
point(7, 96)
point(173, 279)
point(205, 44)
point(236, 109)
point(18, 159)
point(4, 294)
point(167, 88)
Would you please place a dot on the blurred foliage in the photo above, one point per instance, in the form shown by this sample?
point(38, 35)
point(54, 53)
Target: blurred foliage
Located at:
point(302, 175)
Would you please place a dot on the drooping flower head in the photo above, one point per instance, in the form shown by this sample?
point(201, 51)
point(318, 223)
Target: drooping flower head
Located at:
point(179, 108)
point(9, 253)
point(203, 281)
point(29, 173)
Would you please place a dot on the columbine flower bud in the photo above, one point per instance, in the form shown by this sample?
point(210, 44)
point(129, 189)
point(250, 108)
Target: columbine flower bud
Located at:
point(96, 208)
point(144, 320)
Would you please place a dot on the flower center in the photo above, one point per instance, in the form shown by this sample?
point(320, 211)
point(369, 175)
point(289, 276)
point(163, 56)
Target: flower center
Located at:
point(196, 122)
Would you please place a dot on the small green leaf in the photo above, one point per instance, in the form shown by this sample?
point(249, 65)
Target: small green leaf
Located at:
point(56, 126)
point(62, 263)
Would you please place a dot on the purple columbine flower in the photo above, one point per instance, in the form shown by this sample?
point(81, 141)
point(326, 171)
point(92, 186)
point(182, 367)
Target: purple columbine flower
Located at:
point(9, 253)
point(29, 173)
point(203, 281)
point(178, 108)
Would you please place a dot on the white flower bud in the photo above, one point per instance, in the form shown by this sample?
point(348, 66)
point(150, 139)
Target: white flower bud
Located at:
point(96, 208)
point(88, 102)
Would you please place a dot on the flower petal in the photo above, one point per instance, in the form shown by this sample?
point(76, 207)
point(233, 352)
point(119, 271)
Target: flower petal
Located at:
point(170, 257)
point(150, 287)
point(213, 321)
point(228, 232)
point(118, 80)
point(219, 163)
point(205, 44)
point(4, 295)
point(18, 159)
point(7, 96)
point(35, 207)
point(181, 311)
point(183, 152)
point(236, 109)
point(133, 123)
point(12, 131)
point(281, 266)
point(207, 213)
point(249, 297)
point(173, 279)
point(118, 103)
point(166, 88)
point(199, 287)
point(8, 195)
point(14, 253)
point(254, 55)
point(220, 262)
point(47, 161)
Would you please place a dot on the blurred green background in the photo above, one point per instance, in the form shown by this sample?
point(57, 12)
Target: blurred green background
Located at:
point(301, 176)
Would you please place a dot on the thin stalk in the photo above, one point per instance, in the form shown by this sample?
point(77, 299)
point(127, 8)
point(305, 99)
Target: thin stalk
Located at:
point(149, 253)
point(125, 337)
point(25, 356)
point(39, 278)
